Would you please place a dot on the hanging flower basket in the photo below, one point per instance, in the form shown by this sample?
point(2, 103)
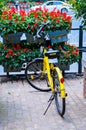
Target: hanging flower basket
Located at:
point(13, 38)
point(58, 36)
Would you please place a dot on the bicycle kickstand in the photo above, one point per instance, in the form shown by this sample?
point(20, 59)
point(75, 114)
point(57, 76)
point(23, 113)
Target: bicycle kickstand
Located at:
point(50, 101)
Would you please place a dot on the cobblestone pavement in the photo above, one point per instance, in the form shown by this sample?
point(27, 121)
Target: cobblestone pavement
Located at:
point(22, 107)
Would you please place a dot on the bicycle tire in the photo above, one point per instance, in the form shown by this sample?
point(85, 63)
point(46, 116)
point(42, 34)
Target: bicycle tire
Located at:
point(59, 101)
point(38, 80)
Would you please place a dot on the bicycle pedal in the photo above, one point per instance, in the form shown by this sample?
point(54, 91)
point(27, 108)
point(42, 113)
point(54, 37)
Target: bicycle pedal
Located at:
point(32, 77)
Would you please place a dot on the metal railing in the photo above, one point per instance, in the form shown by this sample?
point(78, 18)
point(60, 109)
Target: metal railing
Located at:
point(81, 48)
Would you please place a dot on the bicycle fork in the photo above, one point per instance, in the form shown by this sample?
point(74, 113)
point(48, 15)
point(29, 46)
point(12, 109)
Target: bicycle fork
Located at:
point(62, 86)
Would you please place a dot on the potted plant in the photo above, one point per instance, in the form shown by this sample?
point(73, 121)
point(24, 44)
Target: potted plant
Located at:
point(69, 54)
point(56, 19)
point(58, 27)
point(12, 57)
point(80, 10)
point(12, 22)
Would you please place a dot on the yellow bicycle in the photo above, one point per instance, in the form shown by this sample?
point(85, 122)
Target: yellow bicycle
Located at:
point(44, 74)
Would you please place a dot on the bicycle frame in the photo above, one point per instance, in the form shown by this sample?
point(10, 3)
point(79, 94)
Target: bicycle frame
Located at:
point(47, 69)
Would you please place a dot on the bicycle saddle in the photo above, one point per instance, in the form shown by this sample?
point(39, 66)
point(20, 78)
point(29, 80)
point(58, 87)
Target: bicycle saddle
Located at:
point(52, 53)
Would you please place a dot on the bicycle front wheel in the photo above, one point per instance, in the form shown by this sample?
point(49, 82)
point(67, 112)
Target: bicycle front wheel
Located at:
point(59, 101)
point(35, 76)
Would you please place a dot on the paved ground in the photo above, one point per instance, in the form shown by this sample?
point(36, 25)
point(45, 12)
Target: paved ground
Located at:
point(22, 107)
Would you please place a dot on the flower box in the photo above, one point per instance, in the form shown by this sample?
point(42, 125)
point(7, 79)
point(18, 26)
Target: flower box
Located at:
point(13, 38)
point(58, 36)
point(64, 67)
point(7, 69)
point(29, 38)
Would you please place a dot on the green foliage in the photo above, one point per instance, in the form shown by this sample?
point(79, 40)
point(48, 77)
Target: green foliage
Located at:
point(12, 22)
point(56, 19)
point(69, 53)
point(14, 55)
point(80, 7)
point(2, 4)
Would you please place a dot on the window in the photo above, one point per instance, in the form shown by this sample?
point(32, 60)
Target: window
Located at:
point(58, 3)
point(50, 3)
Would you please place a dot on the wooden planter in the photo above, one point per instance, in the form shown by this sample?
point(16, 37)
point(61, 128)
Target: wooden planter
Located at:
point(13, 38)
point(58, 36)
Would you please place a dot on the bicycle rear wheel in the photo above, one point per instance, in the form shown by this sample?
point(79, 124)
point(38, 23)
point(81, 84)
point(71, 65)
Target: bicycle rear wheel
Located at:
point(59, 101)
point(35, 77)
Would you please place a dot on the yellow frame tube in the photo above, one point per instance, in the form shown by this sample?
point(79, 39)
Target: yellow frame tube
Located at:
point(47, 68)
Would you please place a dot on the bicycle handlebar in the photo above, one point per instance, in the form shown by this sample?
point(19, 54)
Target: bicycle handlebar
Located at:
point(40, 29)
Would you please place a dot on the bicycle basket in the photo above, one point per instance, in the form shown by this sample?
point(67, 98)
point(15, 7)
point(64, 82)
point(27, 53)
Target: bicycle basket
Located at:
point(58, 36)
